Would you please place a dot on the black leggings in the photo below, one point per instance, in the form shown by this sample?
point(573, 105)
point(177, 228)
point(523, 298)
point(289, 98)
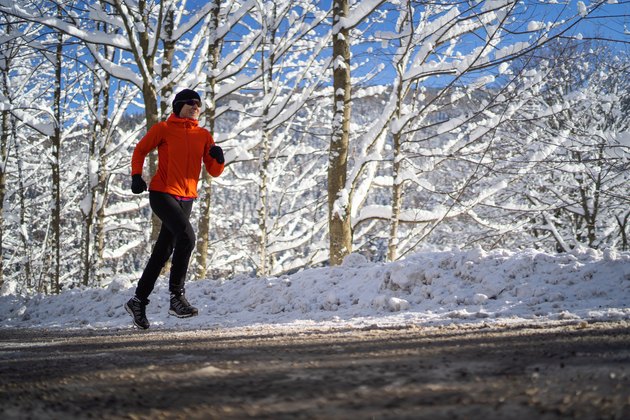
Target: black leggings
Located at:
point(176, 237)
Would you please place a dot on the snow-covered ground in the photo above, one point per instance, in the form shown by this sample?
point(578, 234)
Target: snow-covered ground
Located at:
point(429, 288)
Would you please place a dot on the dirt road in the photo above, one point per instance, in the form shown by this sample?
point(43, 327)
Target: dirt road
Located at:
point(576, 370)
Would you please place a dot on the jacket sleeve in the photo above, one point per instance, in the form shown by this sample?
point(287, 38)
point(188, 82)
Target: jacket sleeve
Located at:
point(213, 167)
point(149, 142)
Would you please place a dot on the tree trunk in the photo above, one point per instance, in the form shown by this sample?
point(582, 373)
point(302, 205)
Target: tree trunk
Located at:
point(397, 188)
point(205, 202)
point(402, 89)
point(24, 224)
point(56, 168)
point(89, 210)
point(169, 54)
point(4, 141)
point(151, 115)
point(94, 241)
point(102, 186)
point(339, 198)
point(263, 159)
point(144, 56)
point(397, 184)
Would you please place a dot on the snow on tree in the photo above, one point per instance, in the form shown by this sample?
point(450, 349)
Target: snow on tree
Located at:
point(443, 115)
point(583, 194)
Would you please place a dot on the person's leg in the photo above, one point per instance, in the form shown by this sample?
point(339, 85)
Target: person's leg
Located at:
point(162, 251)
point(177, 237)
point(184, 243)
point(175, 218)
point(166, 208)
point(136, 306)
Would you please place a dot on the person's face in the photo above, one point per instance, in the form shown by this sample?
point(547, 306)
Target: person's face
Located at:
point(191, 109)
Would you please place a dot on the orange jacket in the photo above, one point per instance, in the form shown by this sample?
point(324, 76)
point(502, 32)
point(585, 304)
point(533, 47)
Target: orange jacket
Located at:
point(182, 145)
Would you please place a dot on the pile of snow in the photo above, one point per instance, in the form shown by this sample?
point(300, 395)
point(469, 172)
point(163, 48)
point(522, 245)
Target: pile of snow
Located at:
point(429, 288)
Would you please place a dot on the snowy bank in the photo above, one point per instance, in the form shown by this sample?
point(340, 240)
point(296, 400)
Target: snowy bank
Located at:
point(427, 288)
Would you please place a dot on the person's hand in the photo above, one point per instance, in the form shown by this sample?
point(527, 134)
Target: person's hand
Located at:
point(217, 153)
point(138, 185)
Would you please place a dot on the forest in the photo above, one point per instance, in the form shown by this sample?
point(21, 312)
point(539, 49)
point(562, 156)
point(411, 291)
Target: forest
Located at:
point(377, 127)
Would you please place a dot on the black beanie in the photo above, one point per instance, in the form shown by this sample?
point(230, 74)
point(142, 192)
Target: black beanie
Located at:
point(182, 97)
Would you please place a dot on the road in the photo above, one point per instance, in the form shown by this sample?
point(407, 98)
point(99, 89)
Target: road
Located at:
point(531, 371)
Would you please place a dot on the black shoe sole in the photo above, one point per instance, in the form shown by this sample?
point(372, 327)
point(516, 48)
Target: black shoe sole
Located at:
point(172, 312)
point(128, 309)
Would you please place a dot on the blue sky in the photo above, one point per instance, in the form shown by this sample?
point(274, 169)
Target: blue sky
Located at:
point(611, 21)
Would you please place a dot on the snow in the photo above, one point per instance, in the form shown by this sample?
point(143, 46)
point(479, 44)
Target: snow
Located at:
point(357, 14)
point(495, 4)
point(582, 9)
point(427, 288)
point(535, 26)
point(510, 50)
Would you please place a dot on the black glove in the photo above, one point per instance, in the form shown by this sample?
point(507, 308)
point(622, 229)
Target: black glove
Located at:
point(217, 153)
point(137, 184)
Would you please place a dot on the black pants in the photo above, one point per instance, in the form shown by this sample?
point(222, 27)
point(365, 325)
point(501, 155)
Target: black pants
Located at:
point(176, 237)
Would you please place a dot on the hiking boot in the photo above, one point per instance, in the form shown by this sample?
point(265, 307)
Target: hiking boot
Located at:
point(180, 307)
point(137, 310)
